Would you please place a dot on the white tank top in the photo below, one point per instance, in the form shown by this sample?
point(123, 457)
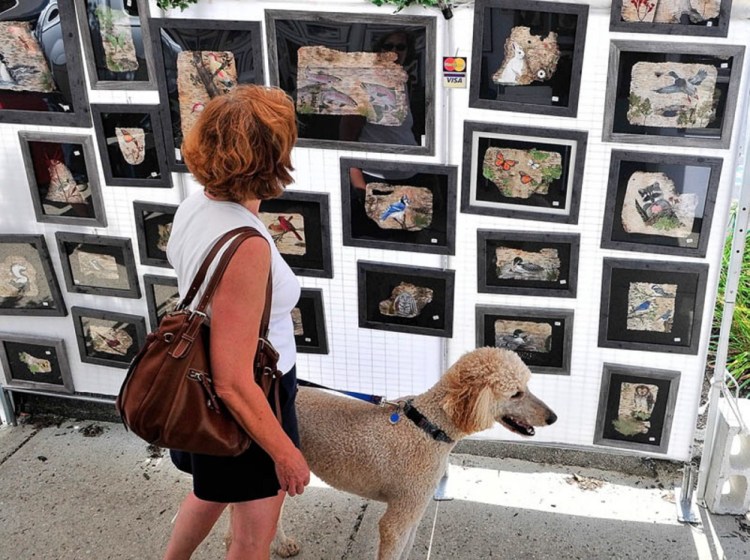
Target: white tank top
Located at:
point(198, 224)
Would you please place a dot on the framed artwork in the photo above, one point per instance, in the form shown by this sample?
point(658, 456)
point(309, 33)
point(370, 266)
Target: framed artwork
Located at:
point(63, 178)
point(131, 145)
point(95, 264)
point(403, 298)
point(361, 82)
point(153, 222)
point(636, 407)
point(28, 285)
point(399, 206)
point(660, 203)
point(527, 264)
point(702, 18)
point(522, 172)
point(542, 338)
point(310, 322)
point(676, 94)
point(528, 56)
point(35, 362)
point(41, 73)
point(107, 338)
point(195, 61)
point(116, 43)
point(300, 225)
point(162, 297)
point(652, 305)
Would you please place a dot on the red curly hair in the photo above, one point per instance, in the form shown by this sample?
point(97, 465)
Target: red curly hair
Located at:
point(240, 147)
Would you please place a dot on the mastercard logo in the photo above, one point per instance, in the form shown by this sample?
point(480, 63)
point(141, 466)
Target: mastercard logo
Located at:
point(454, 64)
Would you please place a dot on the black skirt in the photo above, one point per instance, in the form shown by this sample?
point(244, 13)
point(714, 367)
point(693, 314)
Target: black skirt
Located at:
point(250, 476)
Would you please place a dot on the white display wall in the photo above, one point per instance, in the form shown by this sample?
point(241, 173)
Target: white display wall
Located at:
point(392, 363)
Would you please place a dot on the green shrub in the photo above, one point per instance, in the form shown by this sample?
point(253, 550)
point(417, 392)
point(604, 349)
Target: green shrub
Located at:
point(738, 356)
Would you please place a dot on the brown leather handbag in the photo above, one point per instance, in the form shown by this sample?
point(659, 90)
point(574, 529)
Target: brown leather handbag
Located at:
point(168, 396)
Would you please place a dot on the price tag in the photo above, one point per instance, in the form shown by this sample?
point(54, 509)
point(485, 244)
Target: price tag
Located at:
point(555, 99)
point(433, 241)
point(76, 152)
point(436, 317)
point(154, 174)
point(563, 282)
point(308, 339)
point(555, 203)
point(558, 323)
point(678, 339)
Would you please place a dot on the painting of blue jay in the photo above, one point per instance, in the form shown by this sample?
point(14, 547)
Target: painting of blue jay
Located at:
point(397, 210)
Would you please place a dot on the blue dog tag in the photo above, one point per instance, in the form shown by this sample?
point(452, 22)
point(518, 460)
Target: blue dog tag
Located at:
point(394, 417)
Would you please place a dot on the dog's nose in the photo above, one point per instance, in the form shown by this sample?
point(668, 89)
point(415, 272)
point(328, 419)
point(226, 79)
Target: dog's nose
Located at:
point(552, 418)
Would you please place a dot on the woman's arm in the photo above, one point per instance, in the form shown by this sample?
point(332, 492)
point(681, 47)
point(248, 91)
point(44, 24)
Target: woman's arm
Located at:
point(236, 311)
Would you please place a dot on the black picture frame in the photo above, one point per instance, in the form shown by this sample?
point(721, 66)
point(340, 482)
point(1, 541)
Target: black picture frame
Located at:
point(669, 322)
point(545, 340)
point(107, 338)
point(52, 161)
point(527, 264)
point(650, 194)
point(433, 190)
point(538, 152)
point(35, 362)
point(64, 102)
point(311, 255)
point(108, 262)
point(288, 31)
point(127, 66)
point(153, 224)
point(171, 36)
point(504, 20)
point(310, 322)
point(376, 283)
point(139, 128)
point(679, 100)
point(162, 296)
point(28, 284)
point(641, 19)
point(636, 408)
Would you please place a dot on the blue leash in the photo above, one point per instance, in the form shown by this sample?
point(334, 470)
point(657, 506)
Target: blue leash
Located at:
point(374, 399)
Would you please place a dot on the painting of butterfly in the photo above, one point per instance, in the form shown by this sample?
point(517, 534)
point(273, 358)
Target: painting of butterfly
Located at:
point(520, 173)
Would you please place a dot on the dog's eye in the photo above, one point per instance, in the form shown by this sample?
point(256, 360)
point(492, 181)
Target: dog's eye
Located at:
point(517, 395)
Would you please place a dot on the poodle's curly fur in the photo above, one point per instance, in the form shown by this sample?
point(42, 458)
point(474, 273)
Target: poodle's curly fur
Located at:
point(354, 447)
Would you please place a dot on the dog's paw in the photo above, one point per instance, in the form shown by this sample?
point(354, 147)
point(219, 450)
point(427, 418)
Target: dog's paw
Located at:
point(287, 547)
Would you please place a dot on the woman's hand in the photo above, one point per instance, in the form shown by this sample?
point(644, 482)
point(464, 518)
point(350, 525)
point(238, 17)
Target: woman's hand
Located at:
point(292, 472)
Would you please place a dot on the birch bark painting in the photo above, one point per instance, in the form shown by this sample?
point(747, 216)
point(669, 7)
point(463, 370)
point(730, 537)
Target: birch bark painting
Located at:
point(132, 143)
point(331, 82)
point(62, 185)
point(18, 278)
point(201, 76)
point(287, 231)
point(521, 173)
point(672, 94)
point(516, 264)
point(23, 66)
point(401, 207)
point(651, 307)
point(407, 301)
point(669, 11)
point(528, 58)
point(653, 206)
point(117, 39)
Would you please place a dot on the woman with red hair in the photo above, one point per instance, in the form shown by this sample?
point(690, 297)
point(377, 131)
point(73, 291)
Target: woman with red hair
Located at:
point(240, 151)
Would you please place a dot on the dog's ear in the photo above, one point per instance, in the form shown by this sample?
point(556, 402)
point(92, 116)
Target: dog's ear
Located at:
point(471, 409)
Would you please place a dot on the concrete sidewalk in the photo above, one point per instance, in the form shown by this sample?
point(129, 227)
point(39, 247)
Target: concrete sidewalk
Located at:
point(78, 490)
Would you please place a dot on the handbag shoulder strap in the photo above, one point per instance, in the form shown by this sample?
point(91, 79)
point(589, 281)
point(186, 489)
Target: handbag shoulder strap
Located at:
point(241, 234)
